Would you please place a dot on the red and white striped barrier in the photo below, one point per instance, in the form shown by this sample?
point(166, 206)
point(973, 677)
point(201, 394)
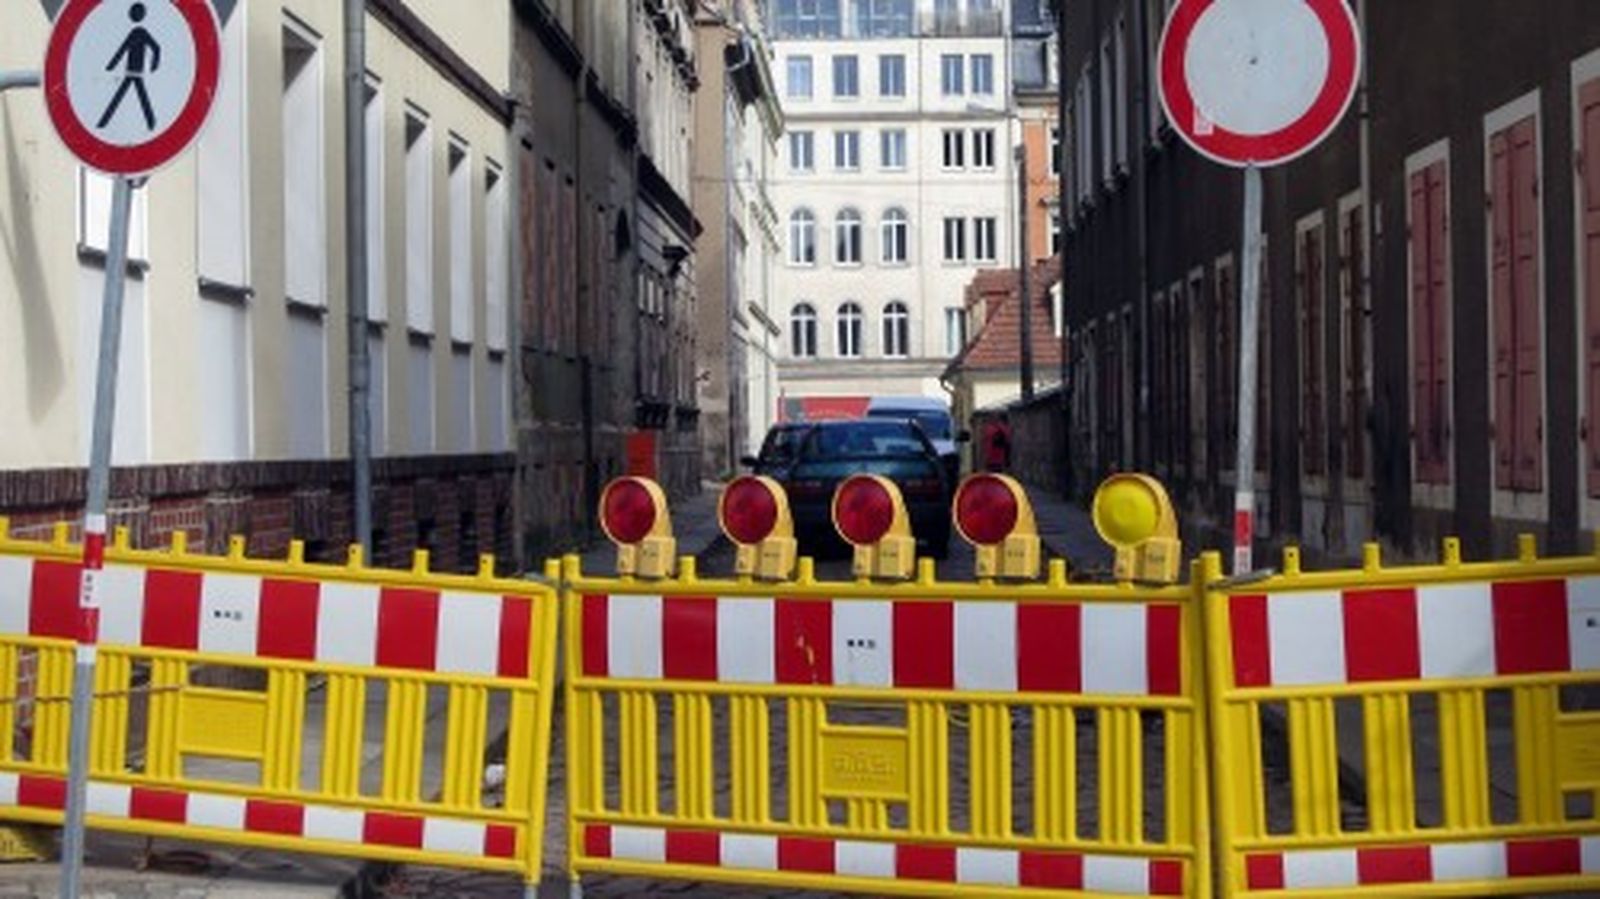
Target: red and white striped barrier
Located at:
point(1431, 632)
point(1440, 863)
point(965, 866)
point(333, 622)
point(235, 814)
point(984, 646)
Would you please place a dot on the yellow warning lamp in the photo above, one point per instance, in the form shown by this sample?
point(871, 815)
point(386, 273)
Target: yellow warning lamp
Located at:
point(992, 513)
point(870, 514)
point(754, 512)
point(1133, 513)
point(633, 513)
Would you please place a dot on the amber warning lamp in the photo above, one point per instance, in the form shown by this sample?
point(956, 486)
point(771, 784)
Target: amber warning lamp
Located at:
point(870, 514)
point(992, 513)
point(1134, 515)
point(633, 513)
point(754, 512)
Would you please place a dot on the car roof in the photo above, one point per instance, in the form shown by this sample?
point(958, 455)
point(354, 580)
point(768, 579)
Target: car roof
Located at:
point(919, 403)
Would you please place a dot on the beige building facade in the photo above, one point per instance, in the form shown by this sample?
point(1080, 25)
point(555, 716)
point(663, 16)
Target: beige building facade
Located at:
point(232, 399)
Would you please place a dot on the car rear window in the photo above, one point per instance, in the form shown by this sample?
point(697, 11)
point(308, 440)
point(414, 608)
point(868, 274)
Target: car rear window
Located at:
point(865, 440)
point(934, 423)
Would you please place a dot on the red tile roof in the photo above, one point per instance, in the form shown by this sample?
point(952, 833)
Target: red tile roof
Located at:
point(996, 343)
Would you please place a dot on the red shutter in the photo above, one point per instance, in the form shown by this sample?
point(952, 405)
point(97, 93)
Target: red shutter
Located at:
point(1355, 417)
point(1526, 228)
point(1589, 122)
point(1503, 426)
point(1439, 316)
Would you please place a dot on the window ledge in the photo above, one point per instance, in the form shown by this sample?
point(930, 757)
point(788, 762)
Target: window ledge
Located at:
point(228, 293)
point(418, 335)
point(306, 307)
point(96, 256)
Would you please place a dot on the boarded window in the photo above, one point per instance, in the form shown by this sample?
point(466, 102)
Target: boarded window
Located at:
point(1514, 222)
point(1353, 363)
point(1430, 316)
point(1589, 162)
point(1313, 417)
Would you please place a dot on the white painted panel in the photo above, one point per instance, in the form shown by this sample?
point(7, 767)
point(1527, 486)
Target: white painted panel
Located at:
point(462, 437)
point(306, 386)
point(633, 637)
point(498, 405)
point(745, 637)
point(986, 646)
point(1306, 633)
point(462, 307)
point(496, 260)
point(377, 221)
point(419, 224)
point(419, 395)
point(1115, 646)
point(222, 164)
point(378, 392)
point(863, 643)
point(1455, 624)
point(1321, 868)
point(222, 378)
point(131, 435)
point(305, 219)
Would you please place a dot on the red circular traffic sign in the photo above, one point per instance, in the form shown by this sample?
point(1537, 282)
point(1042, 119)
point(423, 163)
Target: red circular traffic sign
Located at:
point(128, 86)
point(1258, 82)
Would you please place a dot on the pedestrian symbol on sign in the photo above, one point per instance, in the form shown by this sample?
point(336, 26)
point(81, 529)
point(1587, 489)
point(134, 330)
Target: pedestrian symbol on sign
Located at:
point(133, 51)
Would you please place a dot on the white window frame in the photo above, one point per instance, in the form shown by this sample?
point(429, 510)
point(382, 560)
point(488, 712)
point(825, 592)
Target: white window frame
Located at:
point(955, 226)
point(1431, 496)
point(806, 218)
point(848, 222)
point(986, 87)
point(834, 68)
point(418, 223)
point(898, 138)
point(801, 318)
point(960, 146)
point(895, 233)
point(802, 140)
point(306, 268)
point(952, 86)
point(985, 239)
point(885, 67)
point(1585, 69)
point(983, 144)
point(458, 179)
point(955, 330)
point(790, 87)
point(896, 330)
point(849, 330)
point(496, 258)
point(847, 150)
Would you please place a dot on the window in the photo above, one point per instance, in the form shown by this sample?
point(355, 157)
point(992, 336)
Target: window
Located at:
point(848, 331)
point(1517, 427)
point(1108, 114)
point(955, 240)
point(846, 77)
point(883, 18)
point(896, 237)
point(892, 148)
point(419, 222)
point(803, 332)
point(808, 18)
point(496, 258)
point(847, 150)
point(955, 330)
point(952, 72)
point(802, 238)
point(1119, 80)
point(802, 151)
point(847, 237)
point(955, 148)
point(1354, 366)
point(985, 239)
point(1055, 151)
point(983, 148)
point(799, 87)
point(892, 75)
point(1313, 421)
point(982, 74)
point(304, 203)
point(896, 330)
point(459, 161)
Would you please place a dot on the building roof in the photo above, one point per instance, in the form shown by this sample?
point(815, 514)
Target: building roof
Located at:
point(996, 343)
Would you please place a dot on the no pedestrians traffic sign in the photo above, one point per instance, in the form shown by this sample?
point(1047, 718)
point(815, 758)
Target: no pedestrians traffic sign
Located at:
point(129, 83)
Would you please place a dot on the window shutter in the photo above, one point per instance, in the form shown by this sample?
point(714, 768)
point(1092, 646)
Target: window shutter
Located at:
point(1525, 221)
point(1355, 419)
point(1439, 316)
point(1503, 427)
point(1312, 341)
point(1422, 331)
point(1589, 165)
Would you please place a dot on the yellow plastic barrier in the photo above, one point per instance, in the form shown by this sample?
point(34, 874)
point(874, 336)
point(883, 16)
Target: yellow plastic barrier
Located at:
point(920, 738)
point(1460, 699)
point(217, 674)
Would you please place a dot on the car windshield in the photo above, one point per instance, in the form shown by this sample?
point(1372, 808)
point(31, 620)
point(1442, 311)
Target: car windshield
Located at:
point(935, 423)
point(865, 440)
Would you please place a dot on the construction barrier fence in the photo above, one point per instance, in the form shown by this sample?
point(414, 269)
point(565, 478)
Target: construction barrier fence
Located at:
point(1442, 728)
point(313, 708)
point(1387, 731)
point(924, 738)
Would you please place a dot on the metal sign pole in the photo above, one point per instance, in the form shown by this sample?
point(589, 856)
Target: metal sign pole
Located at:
point(94, 533)
point(1244, 497)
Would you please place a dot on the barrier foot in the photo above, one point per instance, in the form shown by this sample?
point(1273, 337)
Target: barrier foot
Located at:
point(575, 891)
point(25, 843)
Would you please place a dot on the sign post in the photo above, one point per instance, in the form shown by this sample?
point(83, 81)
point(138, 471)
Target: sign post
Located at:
point(1250, 84)
point(127, 87)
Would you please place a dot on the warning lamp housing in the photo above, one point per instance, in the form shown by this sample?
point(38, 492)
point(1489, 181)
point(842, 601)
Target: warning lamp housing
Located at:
point(754, 513)
point(1133, 513)
point(870, 514)
point(634, 515)
point(992, 513)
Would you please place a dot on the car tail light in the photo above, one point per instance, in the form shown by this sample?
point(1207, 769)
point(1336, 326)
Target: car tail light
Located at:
point(986, 510)
point(863, 510)
point(749, 510)
point(627, 511)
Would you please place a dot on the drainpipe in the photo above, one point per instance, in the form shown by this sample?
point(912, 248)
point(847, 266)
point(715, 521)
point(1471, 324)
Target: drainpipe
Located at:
point(355, 233)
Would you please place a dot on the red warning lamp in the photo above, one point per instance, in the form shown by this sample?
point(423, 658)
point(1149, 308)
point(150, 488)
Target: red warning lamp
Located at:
point(992, 513)
point(754, 512)
point(870, 514)
point(633, 513)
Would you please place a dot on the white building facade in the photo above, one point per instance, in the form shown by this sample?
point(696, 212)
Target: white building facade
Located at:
point(895, 184)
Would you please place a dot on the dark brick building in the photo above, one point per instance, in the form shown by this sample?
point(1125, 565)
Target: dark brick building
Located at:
point(1431, 324)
